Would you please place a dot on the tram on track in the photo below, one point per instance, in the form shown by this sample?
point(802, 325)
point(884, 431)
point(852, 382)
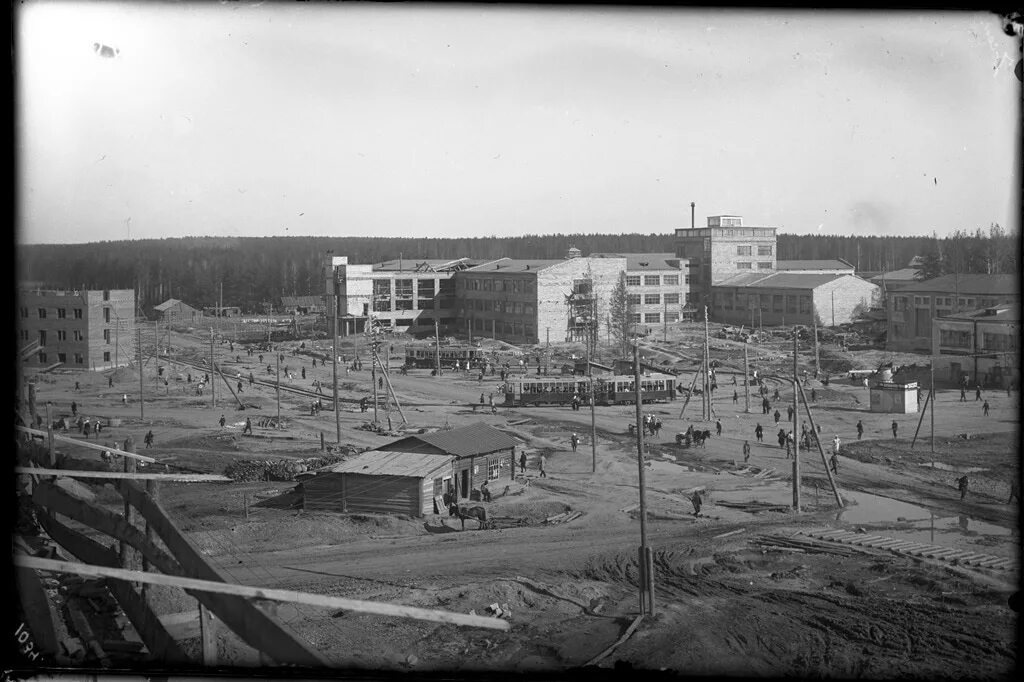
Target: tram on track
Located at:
point(425, 357)
point(608, 390)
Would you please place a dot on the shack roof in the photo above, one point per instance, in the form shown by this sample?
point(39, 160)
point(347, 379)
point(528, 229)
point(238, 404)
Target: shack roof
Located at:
point(168, 304)
point(466, 441)
point(999, 313)
point(380, 463)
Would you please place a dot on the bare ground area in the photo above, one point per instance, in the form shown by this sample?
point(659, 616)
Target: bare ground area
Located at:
point(725, 603)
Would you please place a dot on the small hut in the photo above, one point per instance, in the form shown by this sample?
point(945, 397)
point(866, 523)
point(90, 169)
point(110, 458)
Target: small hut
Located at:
point(888, 396)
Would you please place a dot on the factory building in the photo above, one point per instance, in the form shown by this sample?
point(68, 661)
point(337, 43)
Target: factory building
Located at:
point(787, 298)
point(88, 330)
point(981, 345)
point(657, 287)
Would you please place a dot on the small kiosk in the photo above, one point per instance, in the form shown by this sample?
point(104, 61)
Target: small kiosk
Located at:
point(890, 397)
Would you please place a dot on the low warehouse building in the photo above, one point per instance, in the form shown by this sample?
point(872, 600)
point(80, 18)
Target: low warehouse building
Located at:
point(379, 482)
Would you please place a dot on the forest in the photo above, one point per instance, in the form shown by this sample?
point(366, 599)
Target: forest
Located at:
point(258, 270)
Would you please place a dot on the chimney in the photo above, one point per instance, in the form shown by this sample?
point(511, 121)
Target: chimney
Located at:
point(693, 224)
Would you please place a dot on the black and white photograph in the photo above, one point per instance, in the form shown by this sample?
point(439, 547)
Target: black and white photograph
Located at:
point(476, 340)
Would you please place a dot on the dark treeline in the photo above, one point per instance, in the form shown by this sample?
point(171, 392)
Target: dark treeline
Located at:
point(254, 270)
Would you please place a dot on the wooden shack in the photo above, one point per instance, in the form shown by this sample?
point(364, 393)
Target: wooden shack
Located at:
point(380, 482)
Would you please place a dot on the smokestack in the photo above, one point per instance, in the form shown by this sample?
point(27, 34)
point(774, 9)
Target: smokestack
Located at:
point(693, 224)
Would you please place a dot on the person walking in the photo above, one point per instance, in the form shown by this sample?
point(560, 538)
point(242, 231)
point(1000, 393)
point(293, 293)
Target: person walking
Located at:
point(718, 427)
point(77, 387)
point(777, 416)
point(759, 433)
point(124, 398)
point(222, 421)
point(248, 427)
point(984, 408)
point(74, 409)
point(962, 484)
point(746, 451)
point(835, 445)
point(860, 429)
point(543, 461)
point(833, 462)
point(814, 395)
point(789, 413)
point(575, 440)
point(977, 392)
point(148, 439)
point(963, 394)
point(303, 372)
point(110, 383)
point(239, 386)
point(733, 379)
point(697, 502)
point(895, 428)
point(522, 462)
point(735, 397)
point(380, 383)
point(481, 398)
point(782, 438)
point(86, 428)
point(362, 404)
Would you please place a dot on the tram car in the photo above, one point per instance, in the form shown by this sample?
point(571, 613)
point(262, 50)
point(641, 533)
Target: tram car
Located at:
point(426, 356)
point(608, 390)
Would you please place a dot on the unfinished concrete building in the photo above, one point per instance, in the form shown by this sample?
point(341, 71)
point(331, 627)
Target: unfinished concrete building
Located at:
point(88, 330)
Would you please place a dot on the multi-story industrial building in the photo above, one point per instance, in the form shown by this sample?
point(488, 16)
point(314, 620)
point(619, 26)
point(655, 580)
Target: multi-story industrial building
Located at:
point(723, 249)
point(657, 287)
point(400, 295)
point(527, 301)
point(979, 345)
point(787, 298)
point(913, 306)
point(86, 330)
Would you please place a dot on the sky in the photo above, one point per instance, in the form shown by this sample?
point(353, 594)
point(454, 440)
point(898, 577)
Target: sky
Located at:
point(276, 119)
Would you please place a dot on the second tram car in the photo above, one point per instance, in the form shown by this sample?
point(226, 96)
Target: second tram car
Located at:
point(426, 356)
point(609, 390)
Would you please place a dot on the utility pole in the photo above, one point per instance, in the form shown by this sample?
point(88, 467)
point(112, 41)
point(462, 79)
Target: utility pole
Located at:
point(220, 306)
point(664, 320)
point(213, 388)
point(117, 339)
point(593, 416)
point(437, 348)
point(142, 399)
point(817, 359)
point(796, 439)
point(373, 376)
point(277, 356)
point(707, 365)
point(746, 374)
point(645, 562)
point(931, 372)
point(833, 308)
point(334, 362)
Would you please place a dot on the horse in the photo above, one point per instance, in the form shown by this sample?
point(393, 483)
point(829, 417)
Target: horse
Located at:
point(701, 436)
point(478, 513)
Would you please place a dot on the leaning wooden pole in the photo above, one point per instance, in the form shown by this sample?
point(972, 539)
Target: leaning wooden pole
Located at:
point(821, 451)
point(920, 420)
point(391, 390)
point(689, 393)
point(647, 579)
point(796, 440)
point(746, 375)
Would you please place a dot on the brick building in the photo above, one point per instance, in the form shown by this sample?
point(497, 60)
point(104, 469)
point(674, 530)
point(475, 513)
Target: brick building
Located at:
point(788, 298)
point(88, 330)
point(912, 306)
point(527, 301)
point(723, 249)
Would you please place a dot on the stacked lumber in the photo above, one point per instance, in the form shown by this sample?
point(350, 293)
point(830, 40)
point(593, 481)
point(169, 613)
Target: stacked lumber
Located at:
point(915, 549)
point(564, 517)
point(800, 544)
point(754, 507)
point(276, 470)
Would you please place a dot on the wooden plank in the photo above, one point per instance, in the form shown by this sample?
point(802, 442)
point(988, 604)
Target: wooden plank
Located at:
point(78, 473)
point(944, 553)
point(38, 613)
point(268, 594)
point(604, 654)
point(988, 563)
point(207, 636)
point(157, 639)
point(87, 444)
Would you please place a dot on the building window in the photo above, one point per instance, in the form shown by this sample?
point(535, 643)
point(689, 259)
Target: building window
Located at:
point(743, 266)
point(425, 288)
point(24, 312)
point(791, 304)
point(425, 305)
point(518, 308)
point(62, 357)
point(382, 306)
point(633, 299)
point(652, 317)
point(652, 299)
point(106, 294)
point(632, 280)
point(106, 336)
point(764, 266)
point(671, 299)
point(671, 317)
point(79, 359)
point(743, 251)
point(78, 313)
point(652, 280)
point(899, 303)
point(764, 251)
point(23, 334)
point(42, 358)
point(777, 302)
point(805, 304)
point(954, 338)
point(527, 309)
point(634, 318)
point(106, 356)
point(62, 313)
point(106, 315)
point(999, 342)
point(403, 304)
point(493, 469)
point(687, 279)
point(42, 313)
point(962, 302)
point(924, 301)
point(403, 288)
point(78, 335)
point(42, 337)
point(62, 335)
point(529, 331)
point(671, 280)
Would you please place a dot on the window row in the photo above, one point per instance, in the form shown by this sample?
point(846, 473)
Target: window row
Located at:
point(652, 280)
point(748, 251)
point(63, 357)
point(514, 286)
point(747, 265)
point(504, 327)
point(62, 313)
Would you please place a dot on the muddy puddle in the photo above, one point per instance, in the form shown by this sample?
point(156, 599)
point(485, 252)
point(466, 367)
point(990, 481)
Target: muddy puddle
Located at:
point(917, 524)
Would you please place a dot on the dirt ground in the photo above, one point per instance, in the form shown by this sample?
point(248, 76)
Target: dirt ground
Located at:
point(725, 604)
